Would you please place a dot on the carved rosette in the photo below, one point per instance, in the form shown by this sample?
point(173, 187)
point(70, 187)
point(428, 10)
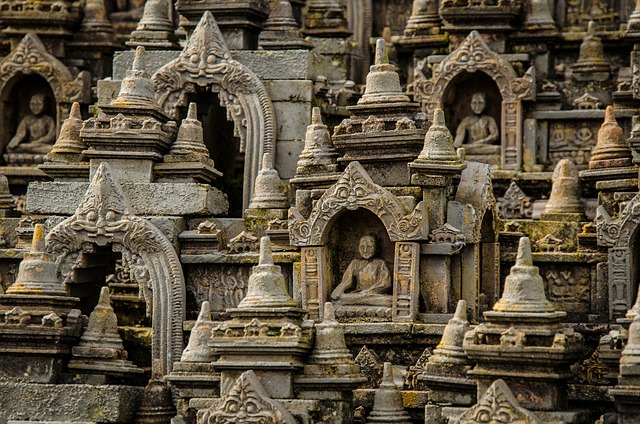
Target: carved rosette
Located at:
point(474, 55)
point(206, 63)
point(31, 57)
point(353, 190)
point(104, 218)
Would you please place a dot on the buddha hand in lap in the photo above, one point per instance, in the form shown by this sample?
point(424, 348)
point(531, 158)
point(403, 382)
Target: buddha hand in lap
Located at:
point(36, 132)
point(477, 133)
point(366, 281)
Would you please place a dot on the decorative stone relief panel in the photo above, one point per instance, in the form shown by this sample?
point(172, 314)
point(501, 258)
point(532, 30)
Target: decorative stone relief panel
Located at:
point(571, 140)
point(569, 288)
point(222, 285)
point(474, 55)
point(104, 218)
point(405, 281)
point(313, 279)
point(206, 63)
point(355, 189)
point(515, 204)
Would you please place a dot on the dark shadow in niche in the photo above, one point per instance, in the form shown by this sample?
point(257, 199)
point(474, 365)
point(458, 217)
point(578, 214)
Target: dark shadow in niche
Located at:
point(344, 238)
point(224, 147)
point(457, 98)
point(15, 103)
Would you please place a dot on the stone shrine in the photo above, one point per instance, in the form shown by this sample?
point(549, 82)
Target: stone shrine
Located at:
point(319, 211)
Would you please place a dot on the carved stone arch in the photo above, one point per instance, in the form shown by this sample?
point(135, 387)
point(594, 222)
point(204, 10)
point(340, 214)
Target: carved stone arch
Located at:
point(31, 57)
point(104, 217)
point(474, 55)
point(354, 190)
point(206, 62)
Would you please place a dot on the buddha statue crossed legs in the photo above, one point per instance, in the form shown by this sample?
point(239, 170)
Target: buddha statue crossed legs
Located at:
point(366, 281)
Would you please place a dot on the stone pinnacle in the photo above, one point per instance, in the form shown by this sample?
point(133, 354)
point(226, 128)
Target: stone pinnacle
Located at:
point(190, 139)
point(268, 192)
point(449, 350)
point(318, 154)
point(37, 244)
point(387, 402)
point(631, 352)
point(565, 194)
point(69, 140)
point(611, 150)
point(136, 87)
point(197, 349)
point(266, 287)
point(523, 287)
point(7, 202)
point(438, 143)
point(383, 82)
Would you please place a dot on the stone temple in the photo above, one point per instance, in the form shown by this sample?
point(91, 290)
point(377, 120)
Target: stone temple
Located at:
point(319, 211)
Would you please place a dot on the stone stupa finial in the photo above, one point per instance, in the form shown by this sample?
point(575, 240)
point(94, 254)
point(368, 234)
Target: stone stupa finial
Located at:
point(611, 149)
point(387, 402)
point(268, 192)
point(592, 64)
point(383, 82)
point(37, 271)
point(7, 202)
point(449, 350)
point(197, 349)
point(155, 30)
point(190, 139)
point(136, 87)
point(564, 202)
point(523, 287)
point(280, 31)
point(266, 287)
point(318, 154)
point(69, 141)
point(438, 143)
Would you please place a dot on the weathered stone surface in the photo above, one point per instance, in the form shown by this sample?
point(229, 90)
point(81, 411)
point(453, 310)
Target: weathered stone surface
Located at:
point(71, 402)
point(147, 199)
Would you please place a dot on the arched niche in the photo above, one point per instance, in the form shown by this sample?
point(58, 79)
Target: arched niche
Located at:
point(206, 64)
point(30, 60)
point(473, 56)
point(104, 218)
point(622, 238)
point(15, 100)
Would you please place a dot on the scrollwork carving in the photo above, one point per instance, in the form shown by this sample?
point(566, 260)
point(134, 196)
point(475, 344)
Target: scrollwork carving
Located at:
point(103, 218)
point(353, 190)
point(206, 62)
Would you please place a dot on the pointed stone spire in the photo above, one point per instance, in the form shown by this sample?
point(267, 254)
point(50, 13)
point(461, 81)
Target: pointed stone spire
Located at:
point(592, 64)
point(155, 30)
point(523, 287)
point(280, 31)
point(268, 192)
point(100, 349)
point(7, 202)
point(197, 349)
point(564, 202)
point(330, 346)
point(539, 17)
point(425, 19)
point(190, 138)
point(630, 357)
point(438, 143)
point(37, 271)
point(611, 150)
point(449, 350)
point(69, 141)
point(136, 87)
point(633, 26)
point(157, 404)
point(95, 19)
point(387, 401)
point(318, 154)
point(326, 19)
point(266, 287)
point(383, 82)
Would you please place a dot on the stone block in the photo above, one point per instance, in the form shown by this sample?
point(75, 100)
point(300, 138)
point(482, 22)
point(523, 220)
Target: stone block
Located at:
point(62, 198)
point(75, 403)
point(287, 154)
point(290, 90)
point(292, 120)
point(154, 60)
point(108, 90)
point(278, 64)
point(171, 227)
